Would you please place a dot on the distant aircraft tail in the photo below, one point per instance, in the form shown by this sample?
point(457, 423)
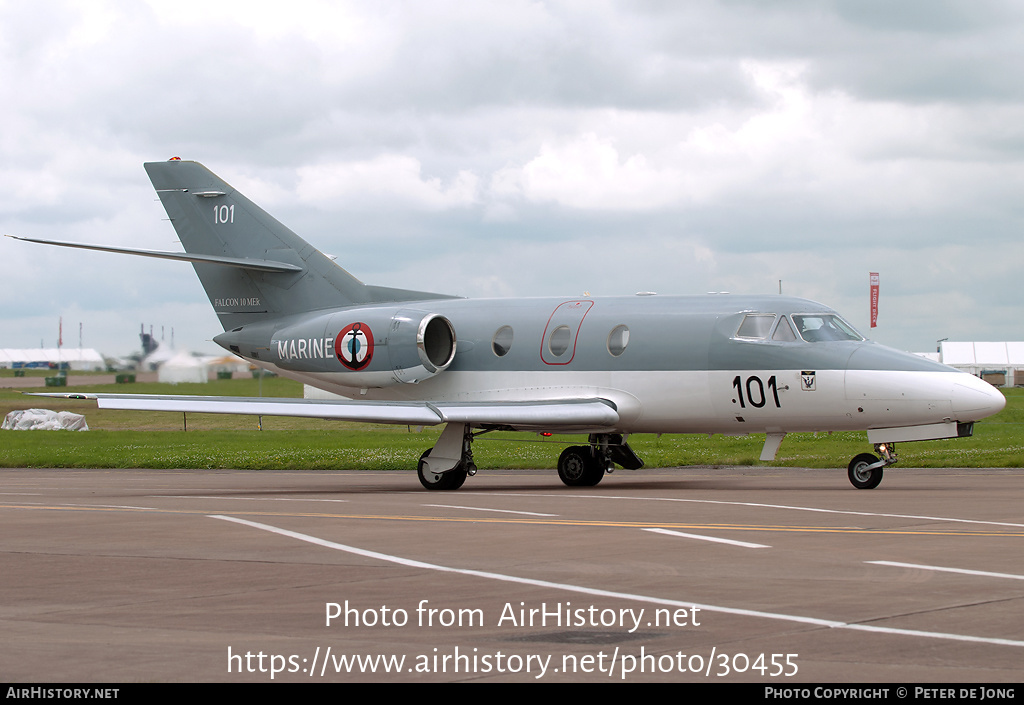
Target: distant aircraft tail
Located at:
point(252, 266)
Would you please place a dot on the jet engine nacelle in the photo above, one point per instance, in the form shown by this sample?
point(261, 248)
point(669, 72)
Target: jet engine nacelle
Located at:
point(360, 348)
point(380, 347)
point(419, 346)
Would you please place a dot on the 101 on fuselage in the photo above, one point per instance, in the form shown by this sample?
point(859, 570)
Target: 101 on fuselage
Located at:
point(607, 367)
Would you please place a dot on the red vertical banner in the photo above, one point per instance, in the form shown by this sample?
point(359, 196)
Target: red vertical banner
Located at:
point(874, 299)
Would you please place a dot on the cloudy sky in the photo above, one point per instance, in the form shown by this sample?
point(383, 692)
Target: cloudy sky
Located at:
point(526, 148)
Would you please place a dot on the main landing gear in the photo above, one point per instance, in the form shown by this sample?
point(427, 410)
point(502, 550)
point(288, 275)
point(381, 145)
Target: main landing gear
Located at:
point(447, 465)
point(585, 466)
point(451, 480)
point(865, 470)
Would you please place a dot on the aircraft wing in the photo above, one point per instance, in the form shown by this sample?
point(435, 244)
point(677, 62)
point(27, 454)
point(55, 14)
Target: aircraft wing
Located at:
point(563, 414)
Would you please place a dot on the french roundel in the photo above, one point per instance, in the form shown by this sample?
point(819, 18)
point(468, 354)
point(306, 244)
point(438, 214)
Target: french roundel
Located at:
point(354, 346)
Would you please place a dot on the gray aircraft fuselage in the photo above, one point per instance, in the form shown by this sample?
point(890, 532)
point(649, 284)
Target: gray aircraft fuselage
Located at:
point(676, 373)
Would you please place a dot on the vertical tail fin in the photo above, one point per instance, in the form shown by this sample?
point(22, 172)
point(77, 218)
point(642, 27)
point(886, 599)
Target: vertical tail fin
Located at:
point(212, 218)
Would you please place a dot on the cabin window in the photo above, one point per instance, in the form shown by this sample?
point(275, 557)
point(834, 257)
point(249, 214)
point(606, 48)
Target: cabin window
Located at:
point(558, 341)
point(756, 325)
point(501, 343)
point(618, 339)
point(818, 327)
point(784, 332)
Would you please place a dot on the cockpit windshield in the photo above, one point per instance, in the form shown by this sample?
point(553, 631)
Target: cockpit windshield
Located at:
point(818, 327)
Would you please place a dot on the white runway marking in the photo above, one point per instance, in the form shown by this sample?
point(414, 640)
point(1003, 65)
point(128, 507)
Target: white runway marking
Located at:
point(72, 505)
point(758, 504)
point(715, 539)
point(486, 509)
point(110, 506)
point(612, 594)
point(248, 499)
point(964, 571)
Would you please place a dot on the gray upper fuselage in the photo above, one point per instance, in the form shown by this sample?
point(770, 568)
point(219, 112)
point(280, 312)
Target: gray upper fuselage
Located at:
point(664, 333)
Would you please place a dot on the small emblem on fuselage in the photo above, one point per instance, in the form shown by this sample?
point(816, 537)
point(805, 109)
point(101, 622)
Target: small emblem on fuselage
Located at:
point(807, 381)
point(354, 346)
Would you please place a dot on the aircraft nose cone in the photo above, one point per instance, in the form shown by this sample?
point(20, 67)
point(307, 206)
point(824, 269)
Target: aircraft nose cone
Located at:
point(975, 398)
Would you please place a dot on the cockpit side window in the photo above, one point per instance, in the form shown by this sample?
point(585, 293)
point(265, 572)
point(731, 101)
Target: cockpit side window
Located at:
point(818, 327)
point(756, 326)
point(784, 332)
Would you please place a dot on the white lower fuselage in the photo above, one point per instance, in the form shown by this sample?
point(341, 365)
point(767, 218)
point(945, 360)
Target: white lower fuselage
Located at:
point(714, 402)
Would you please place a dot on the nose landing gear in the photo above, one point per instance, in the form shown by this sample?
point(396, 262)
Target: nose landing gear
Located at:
point(865, 470)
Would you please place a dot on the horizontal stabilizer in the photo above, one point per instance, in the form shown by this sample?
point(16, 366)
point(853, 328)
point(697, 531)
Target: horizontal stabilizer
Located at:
point(259, 265)
point(564, 415)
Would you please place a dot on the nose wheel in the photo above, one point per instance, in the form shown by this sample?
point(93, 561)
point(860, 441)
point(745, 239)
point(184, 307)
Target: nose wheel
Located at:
point(865, 470)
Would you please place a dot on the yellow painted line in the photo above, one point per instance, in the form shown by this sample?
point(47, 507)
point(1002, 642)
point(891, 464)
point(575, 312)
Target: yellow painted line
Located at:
point(530, 522)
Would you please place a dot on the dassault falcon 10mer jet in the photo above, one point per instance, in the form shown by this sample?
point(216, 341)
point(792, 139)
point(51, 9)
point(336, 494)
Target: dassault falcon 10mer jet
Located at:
point(607, 367)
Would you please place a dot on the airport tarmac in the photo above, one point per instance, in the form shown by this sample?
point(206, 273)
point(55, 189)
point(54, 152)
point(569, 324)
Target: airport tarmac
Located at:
point(770, 575)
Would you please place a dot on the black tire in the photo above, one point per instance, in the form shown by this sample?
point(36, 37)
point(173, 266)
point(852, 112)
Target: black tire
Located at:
point(451, 480)
point(578, 467)
point(861, 478)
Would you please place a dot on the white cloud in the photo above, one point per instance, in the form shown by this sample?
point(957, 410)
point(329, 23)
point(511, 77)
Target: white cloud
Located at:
point(386, 181)
point(589, 173)
point(529, 147)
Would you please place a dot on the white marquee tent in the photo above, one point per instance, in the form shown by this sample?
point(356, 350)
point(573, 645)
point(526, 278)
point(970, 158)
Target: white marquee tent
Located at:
point(999, 363)
point(74, 358)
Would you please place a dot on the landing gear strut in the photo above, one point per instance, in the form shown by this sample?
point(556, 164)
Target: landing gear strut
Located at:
point(447, 465)
point(585, 466)
point(865, 470)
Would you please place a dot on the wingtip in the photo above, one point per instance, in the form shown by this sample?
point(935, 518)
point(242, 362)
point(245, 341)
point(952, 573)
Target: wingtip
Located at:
point(61, 395)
